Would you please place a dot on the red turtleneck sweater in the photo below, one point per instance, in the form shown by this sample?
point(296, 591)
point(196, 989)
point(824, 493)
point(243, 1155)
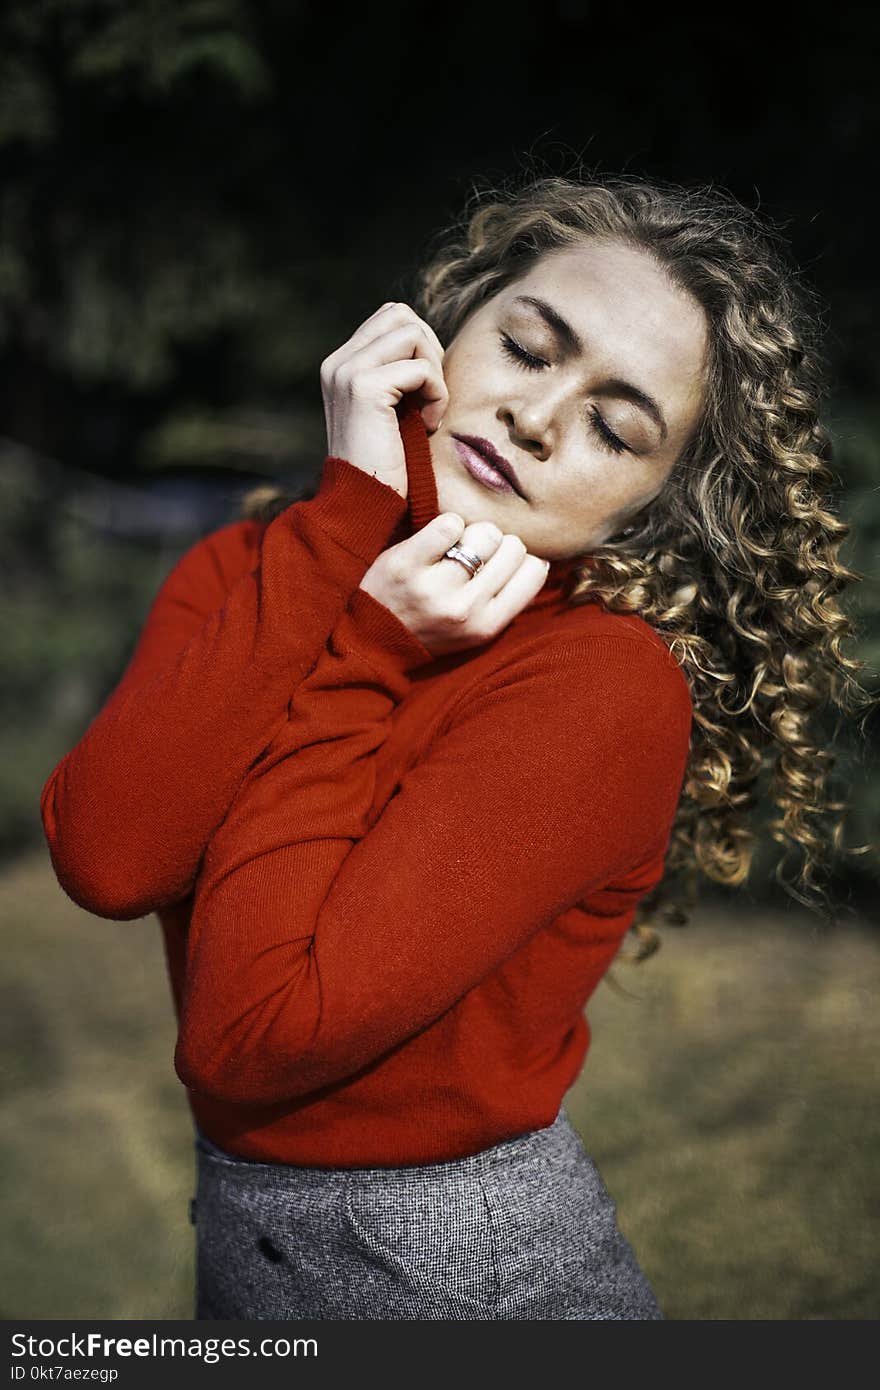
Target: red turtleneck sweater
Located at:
point(387, 882)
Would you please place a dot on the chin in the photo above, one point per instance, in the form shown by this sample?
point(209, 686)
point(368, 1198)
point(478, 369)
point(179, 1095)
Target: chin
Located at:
point(453, 497)
point(469, 508)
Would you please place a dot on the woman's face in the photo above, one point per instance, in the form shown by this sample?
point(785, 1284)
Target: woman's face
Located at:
point(594, 418)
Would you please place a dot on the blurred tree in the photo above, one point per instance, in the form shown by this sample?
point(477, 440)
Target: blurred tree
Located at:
point(133, 268)
point(200, 198)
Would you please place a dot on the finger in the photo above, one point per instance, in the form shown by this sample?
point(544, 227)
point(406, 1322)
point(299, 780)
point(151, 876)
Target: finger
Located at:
point(372, 327)
point(482, 539)
point(376, 343)
point(427, 546)
point(498, 567)
point(409, 374)
point(379, 321)
point(403, 344)
point(408, 311)
point(522, 586)
point(426, 328)
point(394, 345)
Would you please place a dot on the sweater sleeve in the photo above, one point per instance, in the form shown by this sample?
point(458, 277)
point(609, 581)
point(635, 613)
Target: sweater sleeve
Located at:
point(127, 813)
point(326, 929)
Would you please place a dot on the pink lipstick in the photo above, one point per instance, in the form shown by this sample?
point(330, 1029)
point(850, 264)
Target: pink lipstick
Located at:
point(484, 468)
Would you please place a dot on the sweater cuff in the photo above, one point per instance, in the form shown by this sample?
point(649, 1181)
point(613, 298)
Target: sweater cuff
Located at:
point(355, 509)
point(384, 641)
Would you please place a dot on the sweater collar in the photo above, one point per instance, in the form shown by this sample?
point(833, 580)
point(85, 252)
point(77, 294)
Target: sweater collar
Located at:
point(423, 505)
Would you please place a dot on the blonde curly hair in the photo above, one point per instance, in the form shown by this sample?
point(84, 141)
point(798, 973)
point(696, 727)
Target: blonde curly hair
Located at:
point(735, 563)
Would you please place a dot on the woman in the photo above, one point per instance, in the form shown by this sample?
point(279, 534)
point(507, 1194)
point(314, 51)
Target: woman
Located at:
point(498, 641)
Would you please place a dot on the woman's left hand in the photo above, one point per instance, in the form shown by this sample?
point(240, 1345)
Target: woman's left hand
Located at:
point(435, 597)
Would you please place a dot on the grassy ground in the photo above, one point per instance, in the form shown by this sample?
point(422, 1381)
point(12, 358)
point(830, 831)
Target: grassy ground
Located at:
point(731, 1109)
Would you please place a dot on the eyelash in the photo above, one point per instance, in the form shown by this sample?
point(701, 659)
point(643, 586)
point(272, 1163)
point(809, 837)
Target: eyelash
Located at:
point(531, 363)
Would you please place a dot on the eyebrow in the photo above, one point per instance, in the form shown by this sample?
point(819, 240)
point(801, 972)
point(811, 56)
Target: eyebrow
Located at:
point(564, 331)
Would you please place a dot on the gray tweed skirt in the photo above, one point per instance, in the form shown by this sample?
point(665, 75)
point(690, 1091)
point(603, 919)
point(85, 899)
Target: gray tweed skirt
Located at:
point(524, 1230)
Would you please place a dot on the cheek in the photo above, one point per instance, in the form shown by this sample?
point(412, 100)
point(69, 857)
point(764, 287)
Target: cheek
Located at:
point(595, 490)
point(594, 502)
point(471, 375)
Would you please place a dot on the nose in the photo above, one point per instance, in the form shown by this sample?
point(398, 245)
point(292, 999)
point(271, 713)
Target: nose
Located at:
point(536, 419)
point(529, 427)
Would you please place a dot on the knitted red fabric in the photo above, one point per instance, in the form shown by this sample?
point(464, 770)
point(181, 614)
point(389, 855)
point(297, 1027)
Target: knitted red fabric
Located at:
point(388, 883)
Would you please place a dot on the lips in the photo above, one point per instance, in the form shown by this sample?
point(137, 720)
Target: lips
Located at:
point(488, 451)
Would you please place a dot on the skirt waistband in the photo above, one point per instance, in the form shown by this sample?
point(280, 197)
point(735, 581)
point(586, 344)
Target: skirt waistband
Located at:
point(507, 1155)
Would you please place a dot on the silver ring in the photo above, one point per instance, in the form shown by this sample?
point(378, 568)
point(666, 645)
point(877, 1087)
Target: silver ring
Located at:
point(471, 562)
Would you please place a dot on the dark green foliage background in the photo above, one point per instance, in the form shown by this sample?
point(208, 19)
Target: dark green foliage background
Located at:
point(199, 199)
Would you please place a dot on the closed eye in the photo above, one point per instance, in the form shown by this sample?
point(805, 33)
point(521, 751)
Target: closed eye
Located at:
point(520, 354)
point(523, 358)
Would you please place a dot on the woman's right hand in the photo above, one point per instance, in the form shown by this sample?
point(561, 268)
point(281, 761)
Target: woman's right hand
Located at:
point(445, 608)
point(392, 352)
